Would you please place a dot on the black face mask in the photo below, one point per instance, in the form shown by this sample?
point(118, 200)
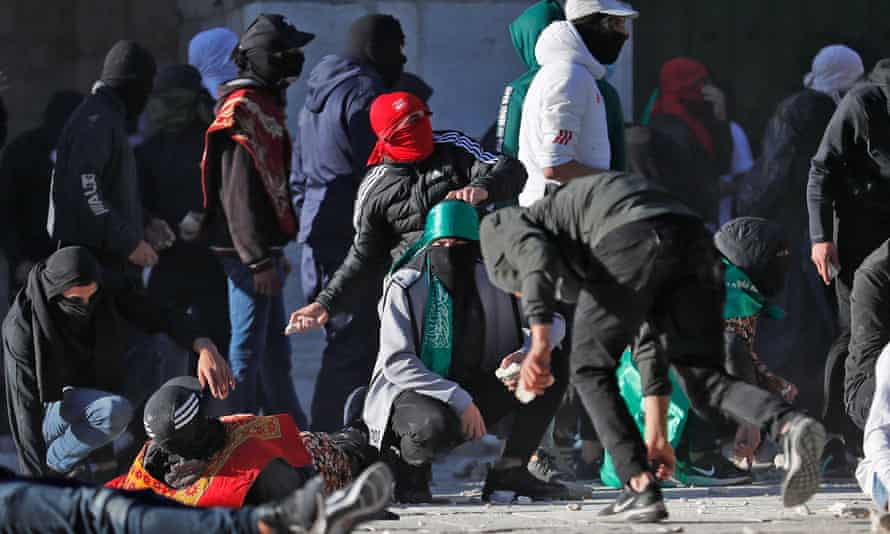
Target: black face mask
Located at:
point(78, 311)
point(454, 265)
point(389, 61)
point(603, 43)
point(275, 68)
point(206, 437)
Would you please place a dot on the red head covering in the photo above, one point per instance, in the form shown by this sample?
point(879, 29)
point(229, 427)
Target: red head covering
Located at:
point(680, 83)
point(401, 122)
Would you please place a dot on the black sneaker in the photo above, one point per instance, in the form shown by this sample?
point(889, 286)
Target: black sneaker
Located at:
point(522, 483)
point(835, 464)
point(297, 512)
point(363, 500)
point(646, 506)
point(802, 445)
point(543, 466)
point(711, 469)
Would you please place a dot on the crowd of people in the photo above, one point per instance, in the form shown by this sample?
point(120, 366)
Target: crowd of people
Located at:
point(464, 288)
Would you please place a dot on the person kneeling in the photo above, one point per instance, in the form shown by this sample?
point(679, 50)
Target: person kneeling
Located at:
point(444, 332)
point(236, 460)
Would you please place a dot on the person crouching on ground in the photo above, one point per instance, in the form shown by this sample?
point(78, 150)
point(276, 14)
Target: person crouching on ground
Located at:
point(63, 344)
point(444, 331)
point(239, 459)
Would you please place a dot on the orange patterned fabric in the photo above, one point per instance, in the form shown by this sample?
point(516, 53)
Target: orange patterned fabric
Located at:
point(251, 443)
point(254, 119)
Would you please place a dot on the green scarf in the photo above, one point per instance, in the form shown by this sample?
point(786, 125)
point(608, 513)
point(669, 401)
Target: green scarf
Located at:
point(451, 218)
point(742, 297)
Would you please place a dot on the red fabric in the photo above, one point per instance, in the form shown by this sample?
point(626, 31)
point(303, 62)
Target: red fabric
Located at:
point(254, 119)
point(251, 443)
point(395, 141)
point(680, 83)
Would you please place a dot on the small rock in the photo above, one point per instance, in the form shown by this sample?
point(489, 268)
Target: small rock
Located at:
point(746, 503)
point(880, 521)
point(701, 510)
point(749, 530)
point(803, 510)
point(573, 507)
point(848, 511)
point(668, 530)
point(524, 500)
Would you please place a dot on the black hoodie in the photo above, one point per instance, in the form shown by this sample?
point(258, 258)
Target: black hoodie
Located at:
point(850, 173)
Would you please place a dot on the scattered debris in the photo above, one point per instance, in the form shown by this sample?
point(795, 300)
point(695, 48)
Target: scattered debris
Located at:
point(802, 510)
point(668, 530)
point(573, 507)
point(701, 510)
point(848, 511)
point(749, 530)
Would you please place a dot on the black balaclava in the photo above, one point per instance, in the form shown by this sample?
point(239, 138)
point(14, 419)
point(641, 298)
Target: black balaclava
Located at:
point(130, 70)
point(269, 51)
point(67, 268)
point(378, 40)
point(603, 43)
point(175, 419)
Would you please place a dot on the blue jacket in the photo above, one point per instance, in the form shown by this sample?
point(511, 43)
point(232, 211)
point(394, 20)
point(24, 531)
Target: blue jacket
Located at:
point(335, 140)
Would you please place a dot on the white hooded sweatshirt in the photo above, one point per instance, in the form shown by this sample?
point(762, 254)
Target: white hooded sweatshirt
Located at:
point(563, 116)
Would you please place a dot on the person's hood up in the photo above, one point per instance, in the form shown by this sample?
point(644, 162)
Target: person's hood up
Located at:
point(881, 73)
point(561, 42)
point(759, 248)
point(211, 53)
point(61, 105)
point(835, 69)
point(330, 72)
point(527, 28)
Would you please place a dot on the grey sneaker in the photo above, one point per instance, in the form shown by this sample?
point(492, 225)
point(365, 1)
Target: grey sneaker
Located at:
point(802, 445)
point(361, 501)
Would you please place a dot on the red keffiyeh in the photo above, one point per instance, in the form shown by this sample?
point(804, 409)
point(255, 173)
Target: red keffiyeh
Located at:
point(680, 83)
point(402, 124)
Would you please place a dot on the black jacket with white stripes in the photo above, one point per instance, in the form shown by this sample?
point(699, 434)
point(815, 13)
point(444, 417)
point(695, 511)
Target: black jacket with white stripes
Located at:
point(394, 198)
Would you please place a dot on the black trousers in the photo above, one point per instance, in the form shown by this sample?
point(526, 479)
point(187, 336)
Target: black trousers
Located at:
point(423, 427)
point(664, 272)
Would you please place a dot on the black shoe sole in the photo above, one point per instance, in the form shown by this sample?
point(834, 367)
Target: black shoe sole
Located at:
point(654, 513)
point(804, 462)
point(712, 482)
point(377, 481)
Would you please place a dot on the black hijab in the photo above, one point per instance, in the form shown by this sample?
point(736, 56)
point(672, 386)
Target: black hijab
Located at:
point(62, 328)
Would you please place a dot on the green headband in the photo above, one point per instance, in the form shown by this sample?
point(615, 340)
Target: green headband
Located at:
point(450, 218)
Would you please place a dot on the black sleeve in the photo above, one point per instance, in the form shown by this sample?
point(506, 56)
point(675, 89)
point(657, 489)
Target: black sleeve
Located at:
point(240, 186)
point(366, 260)
point(652, 363)
point(502, 176)
point(869, 320)
point(145, 313)
point(24, 407)
point(846, 128)
point(86, 181)
point(277, 480)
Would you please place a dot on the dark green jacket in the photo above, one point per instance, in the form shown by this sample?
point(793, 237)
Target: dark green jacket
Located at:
point(525, 31)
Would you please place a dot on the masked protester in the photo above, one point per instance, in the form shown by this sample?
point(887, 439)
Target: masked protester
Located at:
point(629, 254)
point(434, 384)
point(64, 343)
point(25, 173)
point(330, 160)
point(691, 141)
point(188, 275)
point(210, 52)
point(236, 460)
point(248, 215)
point(564, 132)
point(95, 198)
point(412, 169)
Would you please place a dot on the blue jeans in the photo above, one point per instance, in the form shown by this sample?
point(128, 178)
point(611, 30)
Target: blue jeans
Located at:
point(83, 421)
point(70, 507)
point(259, 353)
point(879, 493)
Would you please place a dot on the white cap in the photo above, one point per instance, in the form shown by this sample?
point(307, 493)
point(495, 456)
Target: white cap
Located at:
point(575, 9)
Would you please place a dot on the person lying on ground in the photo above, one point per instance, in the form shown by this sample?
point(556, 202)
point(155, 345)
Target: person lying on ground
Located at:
point(63, 343)
point(444, 332)
point(53, 506)
point(239, 459)
point(873, 472)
